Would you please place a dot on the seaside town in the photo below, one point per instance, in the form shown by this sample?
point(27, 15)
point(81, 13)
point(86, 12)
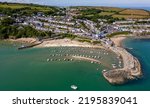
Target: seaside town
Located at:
point(66, 22)
point(76, 22)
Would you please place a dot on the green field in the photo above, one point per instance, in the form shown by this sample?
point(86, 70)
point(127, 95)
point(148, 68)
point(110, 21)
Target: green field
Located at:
point(106, 13)
point(90, 12)
point(113, 12)
point(20, 6)
point(25, 9)
point(130, 16)
point(124, 33)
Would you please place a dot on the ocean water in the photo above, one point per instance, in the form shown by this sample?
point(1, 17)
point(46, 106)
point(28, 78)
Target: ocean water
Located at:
point(140, 49)
point(28, 70)
point(145, 8)
point(148, 8)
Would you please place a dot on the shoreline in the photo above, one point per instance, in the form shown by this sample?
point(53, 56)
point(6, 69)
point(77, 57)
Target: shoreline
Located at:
point(67, 43)
point(131, 69)
point(131, 66)
point(23, 40)
point(118, 40)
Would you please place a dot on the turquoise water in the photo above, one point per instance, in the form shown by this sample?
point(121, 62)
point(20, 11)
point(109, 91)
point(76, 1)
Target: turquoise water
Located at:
point(141, 51)
point(28, 70)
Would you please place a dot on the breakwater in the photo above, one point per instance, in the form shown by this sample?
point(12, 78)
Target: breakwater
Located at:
point(131, 68)
point(29, 46)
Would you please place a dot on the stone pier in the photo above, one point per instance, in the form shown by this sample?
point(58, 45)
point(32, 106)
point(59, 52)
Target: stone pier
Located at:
point(131, 68)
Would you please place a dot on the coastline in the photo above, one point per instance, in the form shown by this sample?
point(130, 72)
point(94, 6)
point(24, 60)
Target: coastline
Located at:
point(66, 43)
point(118, 40)
point(131, 69)
point(24, 40)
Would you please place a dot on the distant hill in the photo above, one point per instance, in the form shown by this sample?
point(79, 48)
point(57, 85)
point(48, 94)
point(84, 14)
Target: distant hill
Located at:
point(25, 8)
point(115, 12)
point(86, 11)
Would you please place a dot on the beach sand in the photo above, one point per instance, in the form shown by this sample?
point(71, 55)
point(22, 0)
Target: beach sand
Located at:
point(118, 40)
point(24, 40)
point(68, 43)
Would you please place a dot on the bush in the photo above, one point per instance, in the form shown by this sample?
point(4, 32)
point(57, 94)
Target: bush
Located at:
point(7, 21)
point(118, 33)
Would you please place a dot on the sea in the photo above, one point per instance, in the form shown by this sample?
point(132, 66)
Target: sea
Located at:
point(44, 69)
point(145, 8)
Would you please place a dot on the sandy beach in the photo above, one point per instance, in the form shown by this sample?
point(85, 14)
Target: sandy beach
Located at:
point(67, 42)
point(24, 40)
point(130, 70)
point(118, 40)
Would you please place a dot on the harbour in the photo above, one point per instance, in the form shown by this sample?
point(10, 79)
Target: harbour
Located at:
point(56, 68)
point(53, 68)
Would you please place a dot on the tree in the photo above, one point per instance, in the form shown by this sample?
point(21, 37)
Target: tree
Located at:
point(4, 32)
point(7, 21)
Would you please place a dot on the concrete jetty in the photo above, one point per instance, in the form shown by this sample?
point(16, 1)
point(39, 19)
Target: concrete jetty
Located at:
point(29, 46)
point(130, 71)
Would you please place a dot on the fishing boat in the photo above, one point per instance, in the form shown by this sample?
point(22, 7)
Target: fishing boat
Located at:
point(74, 87)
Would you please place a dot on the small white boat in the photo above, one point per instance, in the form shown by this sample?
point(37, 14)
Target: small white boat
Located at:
point(114, 65)
point(104, 70)
point(74, 87)
point(22, 46)
point(130, 48)
point(47, 60)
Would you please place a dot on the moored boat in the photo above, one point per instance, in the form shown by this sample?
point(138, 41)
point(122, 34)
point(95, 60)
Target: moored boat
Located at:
point(74, 87)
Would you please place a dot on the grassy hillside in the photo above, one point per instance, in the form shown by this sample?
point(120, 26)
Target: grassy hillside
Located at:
point(130, 16)
point(8, 8)
point(114, 12)
point(135, 12)
point(19, 6)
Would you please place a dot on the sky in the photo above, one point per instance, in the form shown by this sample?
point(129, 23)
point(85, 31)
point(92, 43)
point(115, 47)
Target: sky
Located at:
point(118, 3)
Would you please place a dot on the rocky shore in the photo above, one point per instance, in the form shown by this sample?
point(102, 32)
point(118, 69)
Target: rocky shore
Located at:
point(130, 71)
